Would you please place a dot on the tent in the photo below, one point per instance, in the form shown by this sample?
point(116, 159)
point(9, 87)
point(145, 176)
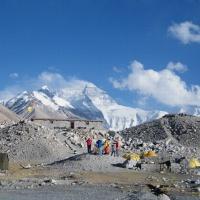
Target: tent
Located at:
point(131, 156)
point(194, 163)
point(150, 154)
point(30, 109)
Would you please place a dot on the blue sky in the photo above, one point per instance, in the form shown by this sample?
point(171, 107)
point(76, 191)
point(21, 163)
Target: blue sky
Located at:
point(87, 39)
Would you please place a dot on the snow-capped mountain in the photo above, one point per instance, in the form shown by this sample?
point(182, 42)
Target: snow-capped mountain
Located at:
point(80, 99)
point(117, 116)
point(39, 105)
point(47, 104)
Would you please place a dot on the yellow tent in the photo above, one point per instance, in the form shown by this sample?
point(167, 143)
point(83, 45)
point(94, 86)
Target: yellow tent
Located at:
point(131, 156)
point(150, 154)
point(194, 163)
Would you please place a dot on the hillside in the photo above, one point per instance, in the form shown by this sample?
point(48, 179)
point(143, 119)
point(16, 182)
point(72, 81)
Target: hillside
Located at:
point(181, 128)
point(7, 115)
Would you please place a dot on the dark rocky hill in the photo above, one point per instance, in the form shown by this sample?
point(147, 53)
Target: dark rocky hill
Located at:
point(181, 128)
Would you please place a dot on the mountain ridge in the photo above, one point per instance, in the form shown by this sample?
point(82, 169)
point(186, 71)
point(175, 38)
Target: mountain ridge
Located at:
point(79, 100)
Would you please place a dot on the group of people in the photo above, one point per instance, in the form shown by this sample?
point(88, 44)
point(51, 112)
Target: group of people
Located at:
point(104, 147)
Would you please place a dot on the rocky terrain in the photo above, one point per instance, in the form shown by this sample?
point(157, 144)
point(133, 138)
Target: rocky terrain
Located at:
point(28, 142)
point(172, 137)
point(31, 143)
point(44, 156)
point(180, 128)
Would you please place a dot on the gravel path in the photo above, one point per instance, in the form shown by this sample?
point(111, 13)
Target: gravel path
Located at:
point(65, 193)
point(84, 193)
point(87, 162)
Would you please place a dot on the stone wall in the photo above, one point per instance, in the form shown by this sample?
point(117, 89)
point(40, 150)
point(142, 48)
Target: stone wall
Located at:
point(70, 124)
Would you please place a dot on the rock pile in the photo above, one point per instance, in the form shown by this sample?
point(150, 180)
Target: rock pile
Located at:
point(181, 128)
point(27, 141)
point(75, 139)
point(175, 138)
point(31, 143)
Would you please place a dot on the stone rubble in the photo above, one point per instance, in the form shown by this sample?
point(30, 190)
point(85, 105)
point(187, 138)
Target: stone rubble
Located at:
point(175, 138)
point(28, 142)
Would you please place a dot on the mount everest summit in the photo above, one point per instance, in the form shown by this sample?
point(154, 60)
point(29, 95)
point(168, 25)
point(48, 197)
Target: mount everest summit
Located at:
point(79, 100)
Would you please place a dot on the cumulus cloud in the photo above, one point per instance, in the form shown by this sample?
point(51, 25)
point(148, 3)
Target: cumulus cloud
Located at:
point(165, 86)
point(55, 81)
point(186, 32)
point(14, 75)
point(179, 67)
point(58, 83)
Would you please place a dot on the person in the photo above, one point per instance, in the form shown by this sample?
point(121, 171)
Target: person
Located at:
point(113, 149)
point(107, 147)
point(89, 145)
point(99, 144)
point(117, 147)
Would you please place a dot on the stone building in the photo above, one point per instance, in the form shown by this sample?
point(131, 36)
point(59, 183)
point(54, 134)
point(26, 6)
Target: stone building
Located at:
point(69, 123)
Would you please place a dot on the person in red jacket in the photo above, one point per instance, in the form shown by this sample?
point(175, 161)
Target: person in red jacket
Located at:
point(89, 145)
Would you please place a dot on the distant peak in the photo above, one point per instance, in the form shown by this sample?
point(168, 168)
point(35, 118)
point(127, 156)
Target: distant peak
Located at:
point(85, 90)
point(45, 87)
point(25, 92)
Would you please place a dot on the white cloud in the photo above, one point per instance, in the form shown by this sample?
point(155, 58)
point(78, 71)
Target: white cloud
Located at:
point(117, 70)
point(186, 32)
point(179, 67)
point(165, 86)
point(14, 75)
point(55, 81)
point(9, 92)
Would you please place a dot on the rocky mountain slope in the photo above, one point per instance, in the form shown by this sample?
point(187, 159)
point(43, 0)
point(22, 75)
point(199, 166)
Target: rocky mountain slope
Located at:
point(181, 128)
point(79, 100)
point(38, 104)
point(7, 115)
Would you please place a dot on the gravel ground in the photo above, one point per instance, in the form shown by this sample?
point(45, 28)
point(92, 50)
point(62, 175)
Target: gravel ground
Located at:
point(87, 162)
point(85, 192)
point(65, 193)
